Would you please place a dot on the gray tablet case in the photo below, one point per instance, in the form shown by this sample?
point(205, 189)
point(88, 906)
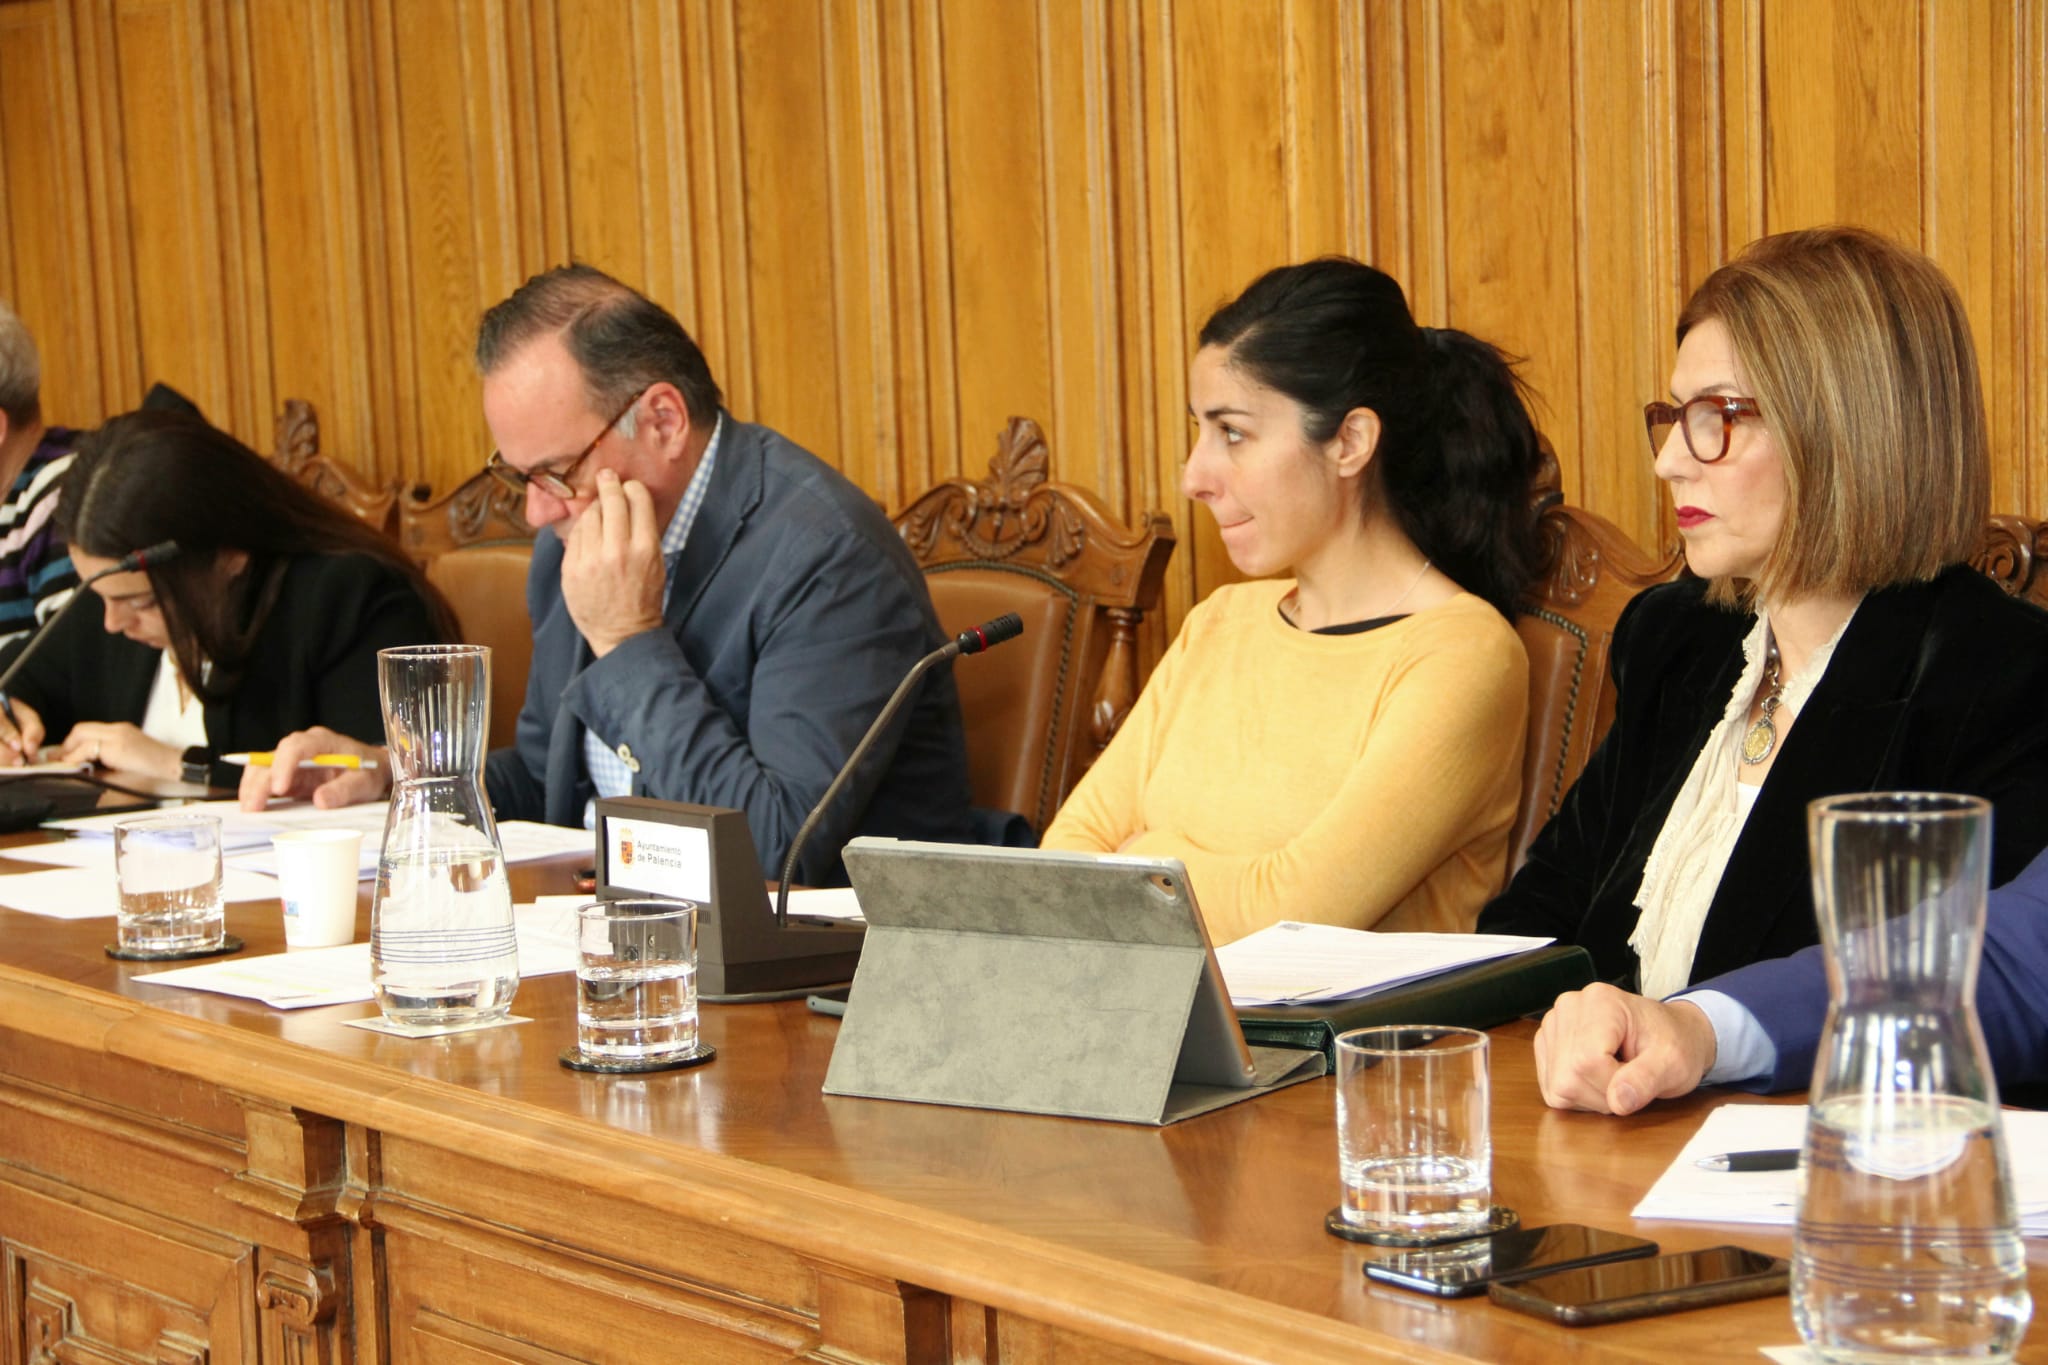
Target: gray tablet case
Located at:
point(1050, 983)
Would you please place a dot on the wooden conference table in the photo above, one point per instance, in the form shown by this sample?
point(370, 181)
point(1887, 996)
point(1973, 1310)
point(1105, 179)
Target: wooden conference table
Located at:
point(188, 1177)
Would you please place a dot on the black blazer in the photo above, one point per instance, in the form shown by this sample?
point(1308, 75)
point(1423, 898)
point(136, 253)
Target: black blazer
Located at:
point(313, 663)
point(1939, 686)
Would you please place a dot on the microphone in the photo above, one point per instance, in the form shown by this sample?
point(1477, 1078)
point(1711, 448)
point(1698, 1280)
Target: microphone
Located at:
point(148, 557)
point(987, 635)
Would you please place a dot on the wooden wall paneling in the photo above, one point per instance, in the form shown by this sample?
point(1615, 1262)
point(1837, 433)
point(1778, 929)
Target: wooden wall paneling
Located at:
point(785, 192)
point(998, 207)
point(46, 248)
point(1162, 332)
point(251, 408)
point(856, 238)
point(1621, 95)
point(1235, 205)
point(1509, 200)
point(310, 239)
point(912, 143)
point(166, 99)
point(717, 303)
point(609, 89)
point(450, 213)
point(1967, 174)
point(2028, 212)
point(1402, 85)
point(1844, 87)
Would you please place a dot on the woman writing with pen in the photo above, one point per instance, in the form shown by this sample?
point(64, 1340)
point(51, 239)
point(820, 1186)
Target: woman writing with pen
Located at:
point(268, 619)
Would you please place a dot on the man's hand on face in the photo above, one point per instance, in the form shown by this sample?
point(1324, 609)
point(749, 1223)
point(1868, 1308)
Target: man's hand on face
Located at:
point(612, 572)
point(1612, 1052)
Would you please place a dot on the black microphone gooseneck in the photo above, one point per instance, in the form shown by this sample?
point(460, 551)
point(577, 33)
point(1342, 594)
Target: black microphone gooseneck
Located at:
point(987, 635)
point(148, 557)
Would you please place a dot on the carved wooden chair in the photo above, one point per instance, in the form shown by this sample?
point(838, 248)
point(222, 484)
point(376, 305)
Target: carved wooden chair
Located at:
point(298, 454)
point(1567, 627)
point(2014, 555)
point(1041, 710)
point(475, 546)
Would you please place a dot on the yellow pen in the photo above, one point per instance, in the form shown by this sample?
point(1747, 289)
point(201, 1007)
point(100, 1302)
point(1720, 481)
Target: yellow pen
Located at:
point(263, 760)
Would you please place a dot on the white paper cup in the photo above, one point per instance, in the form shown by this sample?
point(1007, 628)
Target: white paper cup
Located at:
point(317, 871)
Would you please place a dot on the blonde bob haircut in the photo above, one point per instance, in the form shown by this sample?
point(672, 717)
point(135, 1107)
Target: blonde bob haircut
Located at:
point(1858, 353)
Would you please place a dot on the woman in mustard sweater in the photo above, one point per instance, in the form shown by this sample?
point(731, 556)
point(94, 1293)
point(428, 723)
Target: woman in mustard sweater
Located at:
point(1342, 744)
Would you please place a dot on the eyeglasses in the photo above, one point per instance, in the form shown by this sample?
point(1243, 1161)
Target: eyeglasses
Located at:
point(554, 482)
point(1705, 420)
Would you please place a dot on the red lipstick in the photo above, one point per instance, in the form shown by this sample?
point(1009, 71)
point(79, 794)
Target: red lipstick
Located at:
point(1689, 517)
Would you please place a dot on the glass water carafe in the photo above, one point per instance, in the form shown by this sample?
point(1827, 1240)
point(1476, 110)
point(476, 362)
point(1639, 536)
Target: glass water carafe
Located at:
point(442, 948)
point(1907, 1245)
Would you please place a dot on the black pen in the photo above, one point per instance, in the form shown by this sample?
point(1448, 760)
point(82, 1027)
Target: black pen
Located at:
point(1773, 1159)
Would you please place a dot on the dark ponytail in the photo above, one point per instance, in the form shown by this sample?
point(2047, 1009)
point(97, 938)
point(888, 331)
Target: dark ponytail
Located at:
point(1457, 452)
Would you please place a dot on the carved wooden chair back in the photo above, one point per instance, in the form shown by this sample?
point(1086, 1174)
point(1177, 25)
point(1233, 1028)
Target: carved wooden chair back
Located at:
point(2014, 555)
point(475, 545)
point(1567, 627)
point(298, 454)
point(1038, 711)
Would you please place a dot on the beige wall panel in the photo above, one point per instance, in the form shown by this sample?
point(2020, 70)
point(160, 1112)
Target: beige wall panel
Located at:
point(1843, 85)
point(450, 216)
point(1509, 205)
point(46, 267)
point(1230, 76)
point(995, 186)
point(165, 102)
point(1620, 221)
point(310, 244)
point(785, 190)
point(895, 223)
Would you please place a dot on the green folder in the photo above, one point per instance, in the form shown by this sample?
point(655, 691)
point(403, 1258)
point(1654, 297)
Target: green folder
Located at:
point(1479, 996)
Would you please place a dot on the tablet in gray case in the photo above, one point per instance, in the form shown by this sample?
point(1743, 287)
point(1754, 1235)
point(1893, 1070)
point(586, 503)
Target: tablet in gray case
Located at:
point(1055, 983)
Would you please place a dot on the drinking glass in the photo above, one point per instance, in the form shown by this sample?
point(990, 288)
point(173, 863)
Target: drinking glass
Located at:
point(636, 980)
point(168, 868)
point(1414, 1149)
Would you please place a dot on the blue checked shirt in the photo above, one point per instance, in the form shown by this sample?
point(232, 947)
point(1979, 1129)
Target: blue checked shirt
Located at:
point(609, 774)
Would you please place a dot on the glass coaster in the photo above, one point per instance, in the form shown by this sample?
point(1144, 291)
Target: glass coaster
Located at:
point(1501, 1220)
point(576, 1059)
point(228, 944)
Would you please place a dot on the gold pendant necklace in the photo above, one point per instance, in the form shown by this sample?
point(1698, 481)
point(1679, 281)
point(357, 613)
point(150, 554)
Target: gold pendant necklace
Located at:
point(1763, 735)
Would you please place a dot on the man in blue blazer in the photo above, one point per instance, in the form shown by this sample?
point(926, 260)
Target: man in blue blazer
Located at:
point(718, 616)
point(1758, 1028)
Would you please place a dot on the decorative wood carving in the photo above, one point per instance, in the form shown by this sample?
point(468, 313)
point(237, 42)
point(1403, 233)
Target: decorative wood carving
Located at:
point(298, 454)
point(1015, 527)
point(2011, 556)
point(299, 1305)
point(53, 1335)
point(479, 511)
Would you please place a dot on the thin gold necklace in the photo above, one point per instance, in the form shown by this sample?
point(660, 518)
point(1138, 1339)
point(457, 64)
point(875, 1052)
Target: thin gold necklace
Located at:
point(1290, 605)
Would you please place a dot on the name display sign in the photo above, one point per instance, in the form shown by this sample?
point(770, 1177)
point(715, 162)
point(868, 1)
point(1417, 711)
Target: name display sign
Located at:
point(705, 854)
point(658, 859)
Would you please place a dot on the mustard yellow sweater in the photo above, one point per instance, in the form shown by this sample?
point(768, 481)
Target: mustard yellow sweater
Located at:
point(1366, 780)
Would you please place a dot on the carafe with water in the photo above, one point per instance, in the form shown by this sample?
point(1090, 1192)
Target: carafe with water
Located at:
point(442, 948)
point(1907, 1245)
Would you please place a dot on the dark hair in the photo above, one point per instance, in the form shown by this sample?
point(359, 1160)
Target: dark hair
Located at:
point(1457, 451)
point(155, 476)
point(621, 340)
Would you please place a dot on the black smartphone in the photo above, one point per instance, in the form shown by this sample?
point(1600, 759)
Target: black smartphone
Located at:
point(1463, 1268)
point(1637, 1289)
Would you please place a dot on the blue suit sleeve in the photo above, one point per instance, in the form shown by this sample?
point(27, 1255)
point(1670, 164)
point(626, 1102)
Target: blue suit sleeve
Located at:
point(1789, 995)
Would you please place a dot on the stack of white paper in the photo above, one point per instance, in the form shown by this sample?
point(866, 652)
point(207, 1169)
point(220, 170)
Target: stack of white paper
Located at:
point(341, 976)
point(1685, 1191)
point(92, 893)
point(1300, 964)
